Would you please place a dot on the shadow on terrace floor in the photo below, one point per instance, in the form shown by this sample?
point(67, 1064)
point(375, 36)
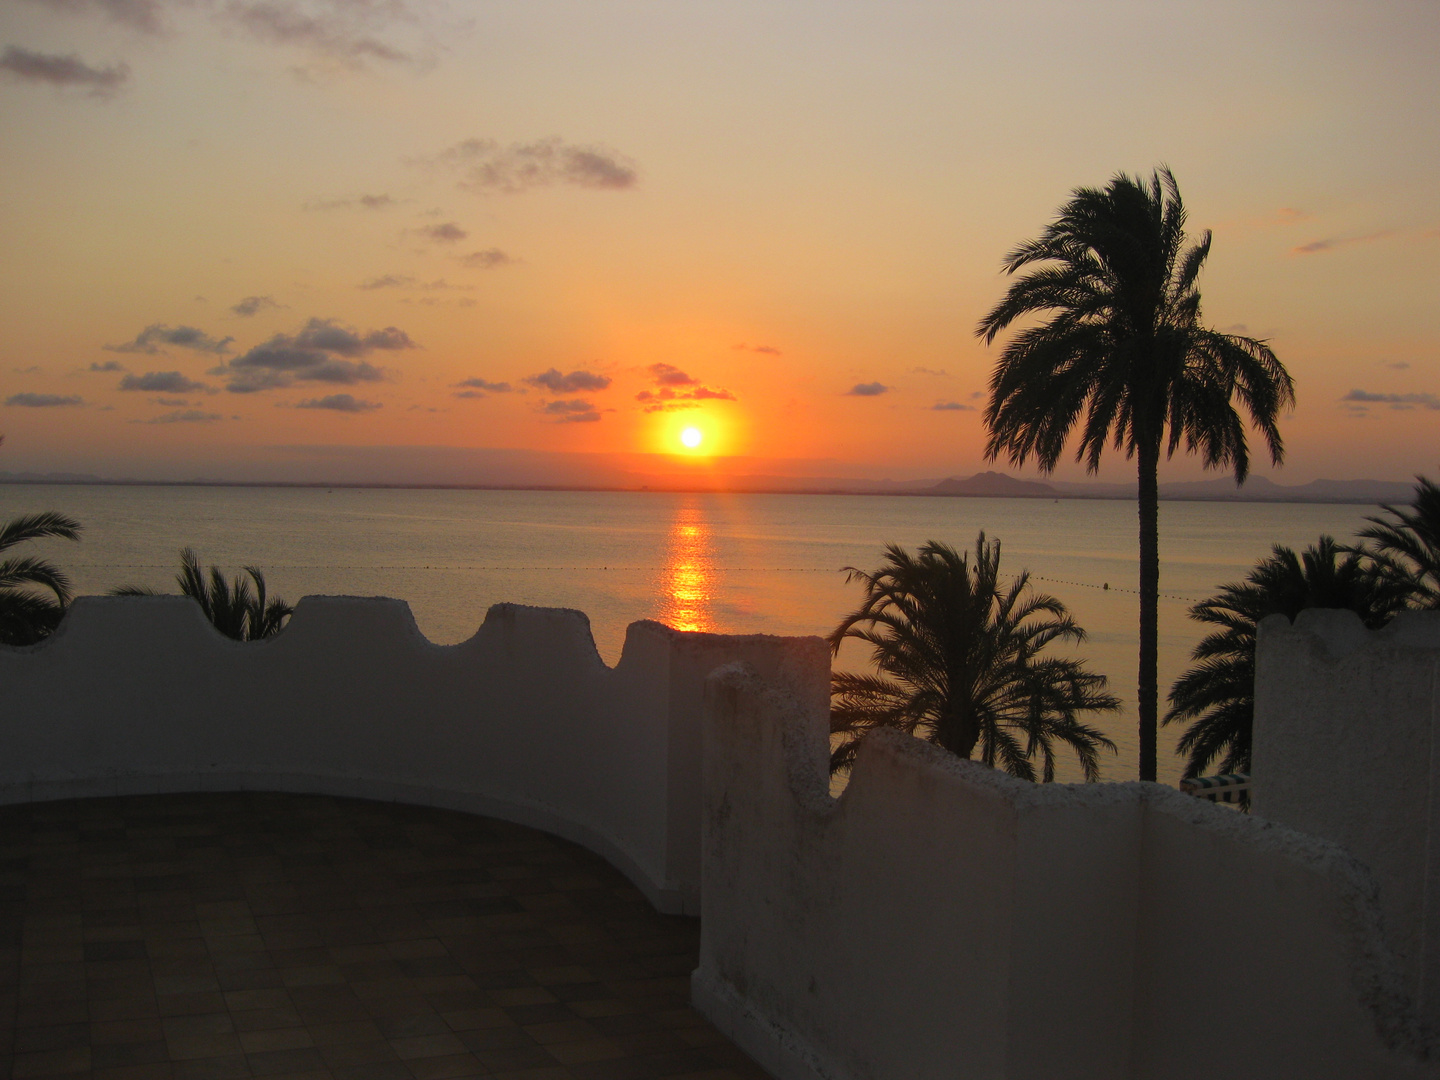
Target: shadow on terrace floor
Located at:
point(202, 937)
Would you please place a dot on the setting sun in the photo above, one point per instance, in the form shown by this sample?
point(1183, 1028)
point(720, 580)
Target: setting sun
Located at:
point(692, 437)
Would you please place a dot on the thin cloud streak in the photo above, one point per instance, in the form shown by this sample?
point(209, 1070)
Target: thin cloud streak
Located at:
point(1395, 401)
point(486, 166)
point(1315, 247)
point(65, 71)
point(44, 401)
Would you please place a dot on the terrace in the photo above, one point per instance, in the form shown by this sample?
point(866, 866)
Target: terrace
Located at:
point(209, 936)
point(317, 854)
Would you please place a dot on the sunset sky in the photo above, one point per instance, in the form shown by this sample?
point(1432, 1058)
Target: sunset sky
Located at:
point(302, 239)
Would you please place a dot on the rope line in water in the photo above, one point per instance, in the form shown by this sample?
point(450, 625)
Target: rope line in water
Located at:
point(1107, 587)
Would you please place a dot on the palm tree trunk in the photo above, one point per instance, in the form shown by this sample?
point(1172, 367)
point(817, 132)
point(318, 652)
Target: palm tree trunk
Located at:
point(1149, 501)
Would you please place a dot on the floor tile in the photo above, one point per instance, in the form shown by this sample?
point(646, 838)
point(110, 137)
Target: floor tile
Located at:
point(219, 936)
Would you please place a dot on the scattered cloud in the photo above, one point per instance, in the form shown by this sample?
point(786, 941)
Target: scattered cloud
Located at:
point(868, 389)
point(1287, 215)
point(446, 232)
point(33, 369)
point(1331, 243)
point(163, 382)
point(323, 351)
point(344, 403)
point(136, 14)
point(929, 371)
point(556, 383)
point(486, 166)
point(478, 388)
point(574, 411)
point(951, 406)
point(667, 400)
point(767, 350)
point(253, 305)
point(171, 403)
point(363, 202)
point(108, 365)
point(43, 401)
point(350, 31)
point(26, 66)
point(1399, 365)
point(676, 390)
point(156, 335)
point(669, 375)
point(1395, 401)
point(188, 416)
point(388, 281)
point(488, 259)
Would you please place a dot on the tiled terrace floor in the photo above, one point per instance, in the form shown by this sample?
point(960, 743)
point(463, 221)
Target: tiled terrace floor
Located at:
point(202, 937)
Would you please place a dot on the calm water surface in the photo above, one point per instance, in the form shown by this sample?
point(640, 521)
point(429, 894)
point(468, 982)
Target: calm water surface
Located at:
point(723, 563)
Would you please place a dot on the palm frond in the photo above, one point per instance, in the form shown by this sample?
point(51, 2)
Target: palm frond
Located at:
point(956, 655)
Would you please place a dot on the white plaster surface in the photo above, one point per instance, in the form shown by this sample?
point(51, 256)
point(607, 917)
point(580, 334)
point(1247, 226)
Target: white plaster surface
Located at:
point(1345, 747)
point(942, 919)
point(524, 721)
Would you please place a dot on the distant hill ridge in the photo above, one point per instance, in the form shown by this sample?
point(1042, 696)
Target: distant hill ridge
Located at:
point(1224, 489)
point(992, 484)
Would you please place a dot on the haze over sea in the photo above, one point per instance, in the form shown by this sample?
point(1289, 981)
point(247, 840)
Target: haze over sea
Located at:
point(725, 563)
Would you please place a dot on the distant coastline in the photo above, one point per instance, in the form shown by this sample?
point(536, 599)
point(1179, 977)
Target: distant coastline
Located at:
point(991, 485)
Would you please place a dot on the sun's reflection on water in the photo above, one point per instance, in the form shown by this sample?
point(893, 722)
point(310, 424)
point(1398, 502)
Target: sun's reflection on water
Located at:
point(688, 586)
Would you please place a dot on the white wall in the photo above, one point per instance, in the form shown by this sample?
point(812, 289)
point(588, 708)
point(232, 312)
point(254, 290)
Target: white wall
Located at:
point(941, 919)
point(524, 721)
point(1345, 747)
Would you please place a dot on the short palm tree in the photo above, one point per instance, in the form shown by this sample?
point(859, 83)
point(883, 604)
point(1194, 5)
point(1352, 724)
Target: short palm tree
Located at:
point(1217, 695)
point(1406, 546)
point(235, 609)
point(33, 592)
point(1123, 357)
point(959, 664)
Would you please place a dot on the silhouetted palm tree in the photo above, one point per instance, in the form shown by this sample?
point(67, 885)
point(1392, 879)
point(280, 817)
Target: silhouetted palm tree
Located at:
point(1217, 694)
point(1124, 357)
point(1407, 546)
point(959, 664)
point(28, 615)
point(235, 609)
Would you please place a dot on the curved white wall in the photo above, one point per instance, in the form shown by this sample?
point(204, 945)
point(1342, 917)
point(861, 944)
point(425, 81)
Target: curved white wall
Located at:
point(524, 721)
point(1347, 746)
point(942, 919)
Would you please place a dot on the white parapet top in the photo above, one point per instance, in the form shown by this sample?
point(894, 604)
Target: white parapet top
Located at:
point(524, 721)
point(942, 919)
point(1346, 747)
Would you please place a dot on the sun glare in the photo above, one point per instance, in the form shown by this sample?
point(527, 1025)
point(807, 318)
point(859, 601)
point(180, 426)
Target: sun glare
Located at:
point(692, 437)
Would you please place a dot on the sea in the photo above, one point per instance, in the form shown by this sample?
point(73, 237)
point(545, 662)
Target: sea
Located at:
point(722, 563)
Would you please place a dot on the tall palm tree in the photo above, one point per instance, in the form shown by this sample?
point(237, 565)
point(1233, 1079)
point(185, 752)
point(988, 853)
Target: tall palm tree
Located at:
point(959, 664)
point(33, 592)
point(235, 609)
point(1123, 356)
point(1217, 694)
point(1407, 545)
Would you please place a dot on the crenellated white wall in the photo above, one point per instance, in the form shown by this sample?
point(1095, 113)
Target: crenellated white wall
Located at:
point(524, 721)
point(1346, 747)
point(942, 919)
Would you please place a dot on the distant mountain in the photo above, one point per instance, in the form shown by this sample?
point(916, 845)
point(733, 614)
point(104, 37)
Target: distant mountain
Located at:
point(992, 484)
point(1263, 489)
point(49, 478)
point(1220, 489)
